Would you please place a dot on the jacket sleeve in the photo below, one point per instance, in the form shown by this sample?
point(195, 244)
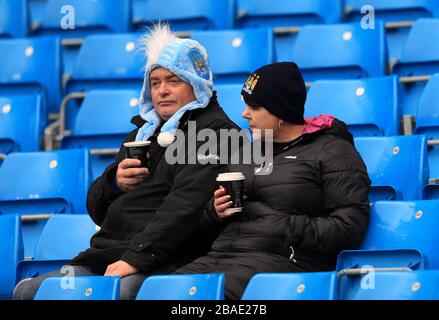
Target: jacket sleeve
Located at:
point(104, 190)
point(177, 220)
point(346, 187)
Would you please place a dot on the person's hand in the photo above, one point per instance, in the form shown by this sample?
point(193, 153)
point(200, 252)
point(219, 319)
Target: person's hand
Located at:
point(121, 269)
point(221, 202)
point(127, 172)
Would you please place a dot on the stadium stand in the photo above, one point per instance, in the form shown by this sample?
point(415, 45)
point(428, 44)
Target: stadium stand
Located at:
point(102, 123)
point(22, 120)
point(342, 51)
point(13, 19)
point(11, 251)
point(291, 286)
point(183, 287)
point(417, 63)
point(370, 107)
point(234, 54)
point(387, 157)
point(32, 66)
point(62, 238)
point(185, 15)
point(79, 288)
point(399, 17)
point(98, 70)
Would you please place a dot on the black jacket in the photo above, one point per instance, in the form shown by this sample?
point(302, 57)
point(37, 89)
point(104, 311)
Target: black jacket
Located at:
point(157, 223)
point(313, 205)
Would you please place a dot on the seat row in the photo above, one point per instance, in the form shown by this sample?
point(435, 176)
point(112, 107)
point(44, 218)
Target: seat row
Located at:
point(370, 107)
point(399, 247)
point(381, 285)
point(44, 16)
point(344, 51)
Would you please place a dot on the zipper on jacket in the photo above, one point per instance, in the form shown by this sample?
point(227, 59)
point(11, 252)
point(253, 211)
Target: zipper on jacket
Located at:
point(292, 254)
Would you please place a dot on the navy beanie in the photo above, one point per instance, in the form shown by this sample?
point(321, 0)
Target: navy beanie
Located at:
point(279, 88)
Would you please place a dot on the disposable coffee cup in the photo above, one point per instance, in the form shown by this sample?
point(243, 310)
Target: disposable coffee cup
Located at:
point(233, 182)
point(138, 150)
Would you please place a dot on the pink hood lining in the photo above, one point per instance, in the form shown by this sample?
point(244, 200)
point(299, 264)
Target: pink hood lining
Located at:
point(318, 123)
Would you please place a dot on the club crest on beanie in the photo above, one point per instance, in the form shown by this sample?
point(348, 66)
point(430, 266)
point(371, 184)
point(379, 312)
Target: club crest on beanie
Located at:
point(279, 88)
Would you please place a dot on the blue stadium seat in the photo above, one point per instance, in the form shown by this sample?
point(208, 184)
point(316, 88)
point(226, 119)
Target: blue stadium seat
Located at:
point(415, 285)
point(89, 17)
point(183, 287)
point(13, 19)
point(11, 251)
point(185, 15)
point(401, 234)
point(79, 288)
point(369, 106)
point(285, 17)
point(82, 18)
point(397, 166)
point(235, 54)
point(342, 51)
point(22, 121)
point(427, 123)
point(43, 183)
point(279, 13)
point(230, 99)
point(398, 15)
point(32, 66)
point(291, 286)
point(419, 60)
point(105, 62)
point(102, 123)
point(63, 237)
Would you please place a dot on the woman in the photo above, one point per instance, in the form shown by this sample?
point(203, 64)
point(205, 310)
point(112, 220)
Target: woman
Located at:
point(313, 204)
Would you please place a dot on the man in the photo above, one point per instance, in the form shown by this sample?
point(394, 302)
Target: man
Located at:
point(150, 225)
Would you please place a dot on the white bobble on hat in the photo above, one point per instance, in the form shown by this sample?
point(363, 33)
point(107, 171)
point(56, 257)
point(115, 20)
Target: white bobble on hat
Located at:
point(165, 139)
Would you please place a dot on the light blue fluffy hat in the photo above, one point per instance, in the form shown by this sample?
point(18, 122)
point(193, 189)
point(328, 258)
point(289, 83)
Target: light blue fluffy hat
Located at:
point(188, 60)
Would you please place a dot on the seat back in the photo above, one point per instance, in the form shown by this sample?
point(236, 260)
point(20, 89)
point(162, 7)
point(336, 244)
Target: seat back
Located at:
point(45, 182)
point(279, 13)
point(64, 236)
point(11, 251)
point(185, 15)
point(369, 106)
point(342, 51)
point(22, 120)
point(387, 157)
point(291, 286)
point(415, 61)
point(31, 66)
point(232, 54)
point(427, 121)
point(400, 234)
point(230, 99)
point(87, 16)
point(79, 288)
point(415, 285)
point(13, 19)
point(102, 122)
point(390, 10)
point(183, 287)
